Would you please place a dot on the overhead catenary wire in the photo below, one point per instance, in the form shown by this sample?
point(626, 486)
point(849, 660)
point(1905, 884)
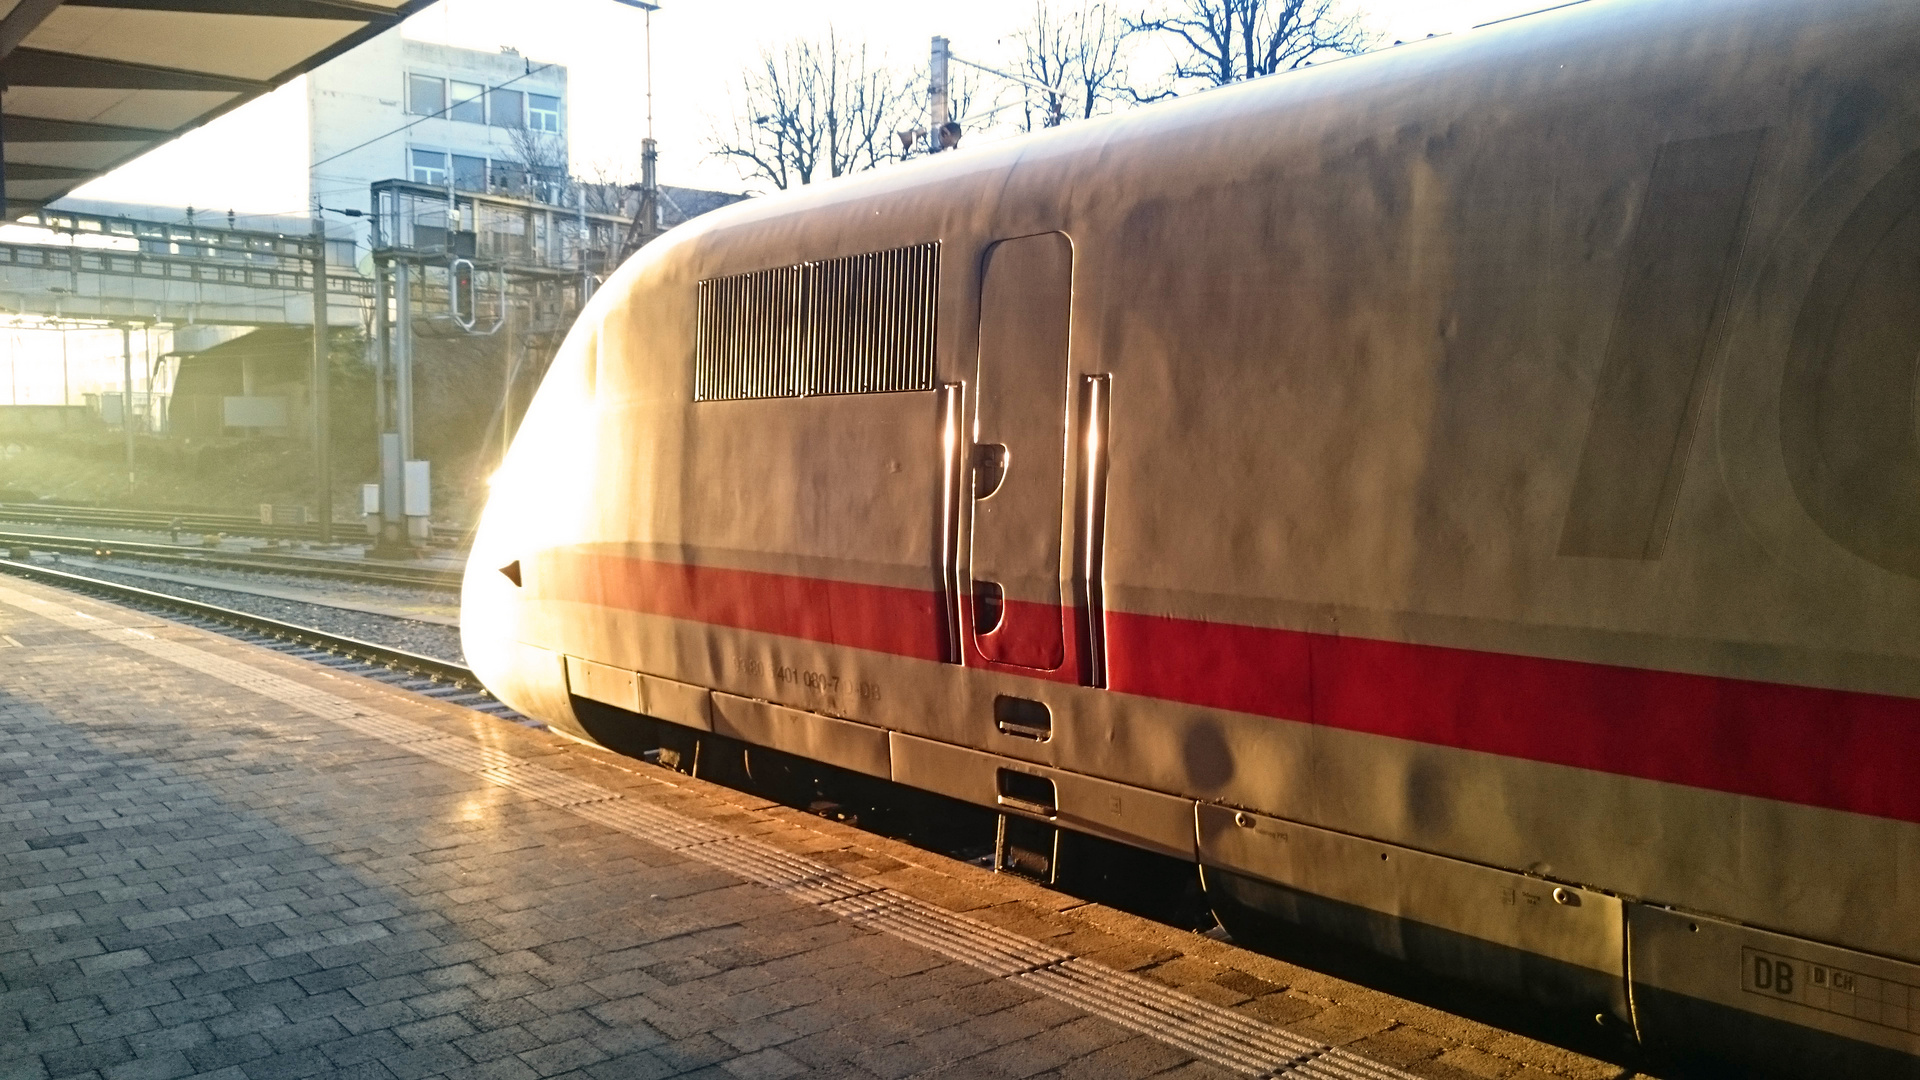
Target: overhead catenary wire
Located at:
point(409, 125)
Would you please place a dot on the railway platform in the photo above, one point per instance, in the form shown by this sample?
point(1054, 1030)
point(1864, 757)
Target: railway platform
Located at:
point(220, 860)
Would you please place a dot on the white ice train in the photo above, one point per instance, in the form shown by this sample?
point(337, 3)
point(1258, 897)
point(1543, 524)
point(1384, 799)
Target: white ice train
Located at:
point(1465, 498)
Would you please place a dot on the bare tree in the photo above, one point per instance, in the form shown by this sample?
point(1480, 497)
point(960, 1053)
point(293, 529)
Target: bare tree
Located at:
point(1225, 41)
point(812, 110)
point(1078, 56)
point(608, 188)
point(537, 165)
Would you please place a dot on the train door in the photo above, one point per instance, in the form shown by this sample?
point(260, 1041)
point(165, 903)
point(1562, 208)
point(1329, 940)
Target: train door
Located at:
point(1019, 456)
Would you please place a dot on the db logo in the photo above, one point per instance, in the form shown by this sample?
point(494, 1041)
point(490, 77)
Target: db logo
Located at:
point(1772, 975)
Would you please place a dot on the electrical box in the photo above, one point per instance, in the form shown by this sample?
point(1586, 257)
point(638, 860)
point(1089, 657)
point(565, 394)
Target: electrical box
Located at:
point(369, 500)
point(250, 412)
point(417, 489)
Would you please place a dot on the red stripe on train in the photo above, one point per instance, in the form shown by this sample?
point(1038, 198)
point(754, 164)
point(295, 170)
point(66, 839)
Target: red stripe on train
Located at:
point(881, 618)
point(1839, 749)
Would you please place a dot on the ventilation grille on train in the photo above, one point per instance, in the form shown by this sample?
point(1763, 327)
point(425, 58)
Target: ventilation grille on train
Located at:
point(862, 324)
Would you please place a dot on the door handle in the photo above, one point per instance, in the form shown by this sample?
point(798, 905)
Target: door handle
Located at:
point(989, 606)
point(989, 468)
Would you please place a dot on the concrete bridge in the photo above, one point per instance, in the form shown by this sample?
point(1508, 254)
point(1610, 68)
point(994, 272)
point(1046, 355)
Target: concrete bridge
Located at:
point(87, 266)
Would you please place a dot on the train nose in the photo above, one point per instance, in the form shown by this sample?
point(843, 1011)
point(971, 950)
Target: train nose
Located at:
point(502, 634)
point(539, 500)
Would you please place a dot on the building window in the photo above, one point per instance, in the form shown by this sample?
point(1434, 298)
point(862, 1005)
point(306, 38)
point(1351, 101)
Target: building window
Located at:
point(468, 102)
point(543, 112)
point(469, 173)
point(429, 167)
point(506, 108)
point(509, 177)
point(426, 96)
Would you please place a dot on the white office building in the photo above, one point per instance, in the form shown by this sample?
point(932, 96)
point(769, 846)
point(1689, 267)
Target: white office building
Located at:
point(435, 114)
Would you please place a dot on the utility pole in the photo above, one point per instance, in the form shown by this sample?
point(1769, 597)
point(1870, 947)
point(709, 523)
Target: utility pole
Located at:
point(151, 367)
point(391, 542)
point(382, 341)
point(126, 393)
point(322, 441)
point(507, 338)
point(579, 250)
point(646, 220)
point(650, 150)
point(937, 91)
point(403, 355)
point(649, 186)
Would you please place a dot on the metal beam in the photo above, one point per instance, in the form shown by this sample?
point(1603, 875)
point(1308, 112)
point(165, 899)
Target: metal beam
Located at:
point(322, 376)
point(16, 170)
point(25, 17)
point(342, 10)
point(25, 129)
point(39, 67)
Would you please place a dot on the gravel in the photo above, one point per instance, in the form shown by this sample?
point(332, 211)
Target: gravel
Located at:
point(369, 591)
point(427, 639)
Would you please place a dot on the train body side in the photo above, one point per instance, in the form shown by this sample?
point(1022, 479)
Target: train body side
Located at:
point(1480, 529)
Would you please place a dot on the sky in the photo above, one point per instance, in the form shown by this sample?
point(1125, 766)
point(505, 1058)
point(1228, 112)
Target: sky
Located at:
point(247, 159)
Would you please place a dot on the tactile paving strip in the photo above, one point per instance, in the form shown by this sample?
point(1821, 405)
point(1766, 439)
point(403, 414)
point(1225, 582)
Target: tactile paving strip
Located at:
point(1209, 1032)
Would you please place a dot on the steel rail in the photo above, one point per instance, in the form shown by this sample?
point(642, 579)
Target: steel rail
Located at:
point(160, 520)
point(338, 644)
point(417, 577)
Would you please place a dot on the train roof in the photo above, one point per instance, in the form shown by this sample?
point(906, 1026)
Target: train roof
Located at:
point(1612, 44)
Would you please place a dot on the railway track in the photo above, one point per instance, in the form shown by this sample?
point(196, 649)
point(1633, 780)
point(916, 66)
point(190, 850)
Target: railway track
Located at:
point(426, 675)
point(411, 576)
point(160, 520)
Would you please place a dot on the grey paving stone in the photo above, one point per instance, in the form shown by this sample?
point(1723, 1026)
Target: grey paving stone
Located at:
point(764, 1065)
point(83, 1059)
point(266, 993)
point(425, 1061)
point(441, 1002)
point(289, 1066)
point(387, 1014)
point(509, 1068)
point(305, 1033)
point(335, 978)
point(221, 1053)
point(162, 1066)
point(333, 1002)
point(439, 1029)
point(115, 1025)
point(640, 1065)
point(176, 1037)
point(555, 1058)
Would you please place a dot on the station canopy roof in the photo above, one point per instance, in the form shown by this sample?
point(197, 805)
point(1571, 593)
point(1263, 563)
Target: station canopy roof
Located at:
point(92, 84)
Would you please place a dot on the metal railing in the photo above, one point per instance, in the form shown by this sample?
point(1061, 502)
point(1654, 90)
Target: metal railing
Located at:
point(424, 221)
point(174, 238)
point(281, 273)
